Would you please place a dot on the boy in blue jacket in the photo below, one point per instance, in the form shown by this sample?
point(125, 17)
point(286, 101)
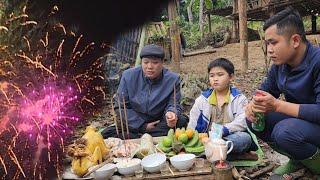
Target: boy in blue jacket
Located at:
point(222, 104)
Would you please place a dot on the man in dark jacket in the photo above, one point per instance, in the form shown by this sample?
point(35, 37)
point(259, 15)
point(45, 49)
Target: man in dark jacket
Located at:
point(148, 91)
point(292, 125)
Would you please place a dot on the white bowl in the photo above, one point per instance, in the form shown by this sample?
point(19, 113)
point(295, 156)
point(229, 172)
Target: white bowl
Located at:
point(153, 162)
point(105, 172)
point(183, 162)
point(127, 167)
point(68, 174)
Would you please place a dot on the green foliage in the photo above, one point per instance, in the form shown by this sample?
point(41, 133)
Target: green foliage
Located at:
point(256, 25)
point(308, 24)
point(192, 32)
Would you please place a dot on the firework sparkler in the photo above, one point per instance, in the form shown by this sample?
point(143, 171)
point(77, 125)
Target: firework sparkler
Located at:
point(46, 86)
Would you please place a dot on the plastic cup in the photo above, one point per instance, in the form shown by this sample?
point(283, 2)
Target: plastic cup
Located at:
point(164, 169)
point(139, 173)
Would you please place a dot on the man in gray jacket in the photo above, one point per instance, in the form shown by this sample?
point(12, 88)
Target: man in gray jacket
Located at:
point(148, 91)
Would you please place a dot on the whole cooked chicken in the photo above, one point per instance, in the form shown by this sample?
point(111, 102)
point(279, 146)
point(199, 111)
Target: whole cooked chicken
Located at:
point(87, 151)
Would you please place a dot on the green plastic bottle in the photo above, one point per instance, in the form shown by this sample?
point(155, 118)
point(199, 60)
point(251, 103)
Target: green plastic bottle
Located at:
point(260, 124)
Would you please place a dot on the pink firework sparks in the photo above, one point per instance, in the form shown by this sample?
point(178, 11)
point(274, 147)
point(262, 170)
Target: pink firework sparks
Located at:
point(45, 119)
point(44, 114)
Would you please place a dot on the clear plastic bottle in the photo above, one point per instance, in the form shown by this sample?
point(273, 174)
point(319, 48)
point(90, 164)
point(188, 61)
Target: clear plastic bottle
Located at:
point(260, 124)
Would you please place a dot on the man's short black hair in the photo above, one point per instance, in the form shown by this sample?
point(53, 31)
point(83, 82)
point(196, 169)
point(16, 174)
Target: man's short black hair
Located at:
point(223, 63)
point(288, 22)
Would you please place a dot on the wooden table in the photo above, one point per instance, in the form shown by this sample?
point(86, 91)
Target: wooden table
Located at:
point(194, 173)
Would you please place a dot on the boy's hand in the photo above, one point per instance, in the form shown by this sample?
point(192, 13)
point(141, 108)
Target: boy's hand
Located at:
point(171, 118)
point(264, 103)
point(249, 112)
point(152, 125)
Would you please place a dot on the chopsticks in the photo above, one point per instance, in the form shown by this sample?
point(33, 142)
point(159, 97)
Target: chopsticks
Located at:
point(165, 153)
point(98, 166)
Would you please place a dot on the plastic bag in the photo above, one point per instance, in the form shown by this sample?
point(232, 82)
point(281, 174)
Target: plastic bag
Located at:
point(216, 131)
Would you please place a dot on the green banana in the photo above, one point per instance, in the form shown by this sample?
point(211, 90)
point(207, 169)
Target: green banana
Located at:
point(171, 134)
point(199, 143)
point(194, 140)
point(163, 148)
point(195, 150)
point(171, 153)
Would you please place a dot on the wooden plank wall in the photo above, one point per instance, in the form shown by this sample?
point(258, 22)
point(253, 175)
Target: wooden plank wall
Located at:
point(126, 45)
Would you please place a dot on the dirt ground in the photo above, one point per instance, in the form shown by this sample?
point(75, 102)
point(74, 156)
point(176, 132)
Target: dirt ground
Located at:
point(230, 51)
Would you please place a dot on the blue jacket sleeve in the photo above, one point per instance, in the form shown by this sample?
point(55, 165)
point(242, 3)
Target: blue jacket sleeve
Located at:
point(270, 83)
point(311, 112)
point(135, 121)
point(170, 106)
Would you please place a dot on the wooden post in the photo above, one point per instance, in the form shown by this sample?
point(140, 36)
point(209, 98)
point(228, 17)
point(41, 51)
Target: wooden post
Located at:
point(314, 24)
point(209, 22)
point(235, 22)
point(242, 4)
point(175, 36)
point(235, 30)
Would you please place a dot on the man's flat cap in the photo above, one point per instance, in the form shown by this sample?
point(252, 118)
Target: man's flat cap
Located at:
point(152, 50)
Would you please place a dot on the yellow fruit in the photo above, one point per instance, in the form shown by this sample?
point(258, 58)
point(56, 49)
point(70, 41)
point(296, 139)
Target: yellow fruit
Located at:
point(178, 133)
point(203, 136)
point(190, 133)
point(183, 138)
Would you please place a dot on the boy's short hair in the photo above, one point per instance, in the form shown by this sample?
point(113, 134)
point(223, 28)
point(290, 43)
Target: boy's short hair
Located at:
point(288, 22)
point(223, 63)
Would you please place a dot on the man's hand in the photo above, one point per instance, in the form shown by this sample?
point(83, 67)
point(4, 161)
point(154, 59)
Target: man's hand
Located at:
point(171, 119)
point(152, 125)
point(264, 103)
point(249, 112)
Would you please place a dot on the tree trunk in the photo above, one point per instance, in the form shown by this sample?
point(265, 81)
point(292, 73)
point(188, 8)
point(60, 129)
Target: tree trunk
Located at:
point(201, 23)
point(242, 5)
point(175, 36)
point(189, 10)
